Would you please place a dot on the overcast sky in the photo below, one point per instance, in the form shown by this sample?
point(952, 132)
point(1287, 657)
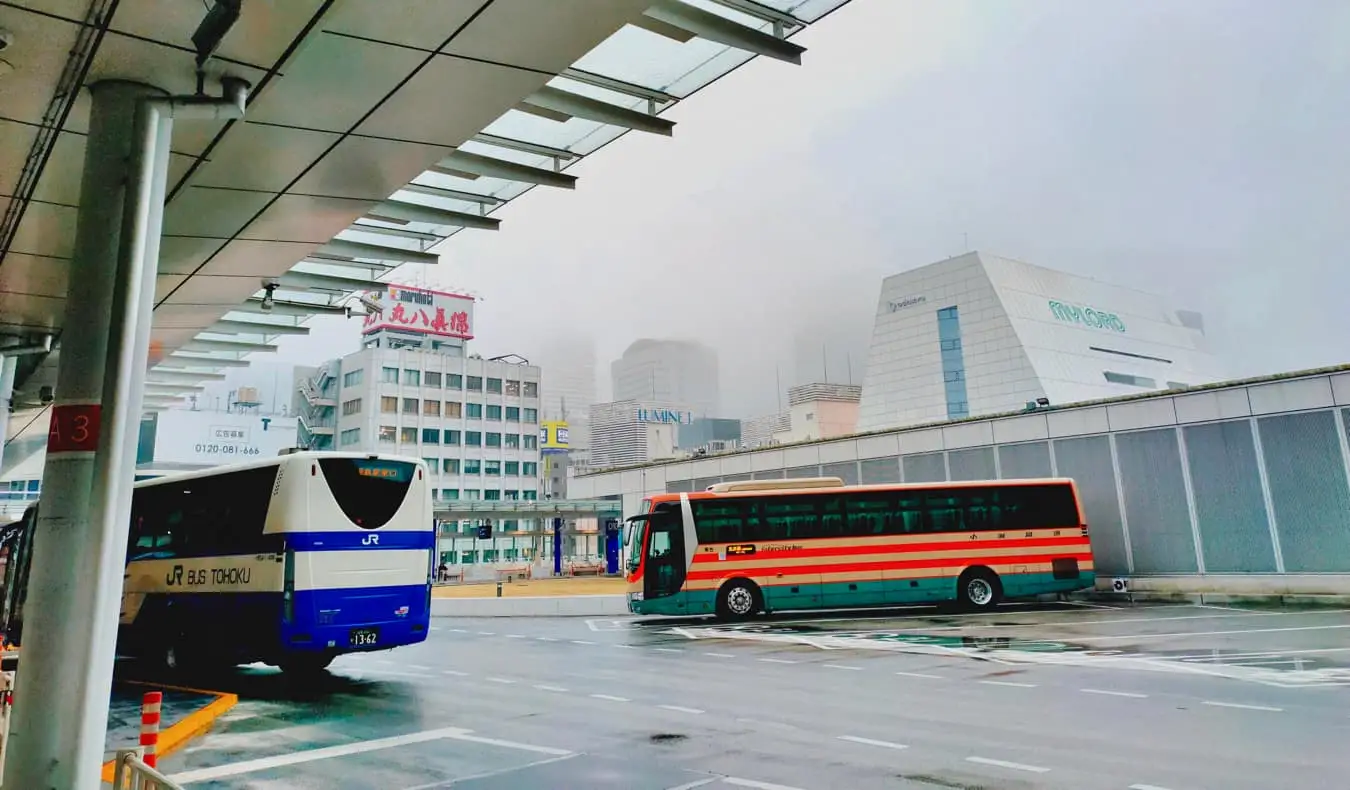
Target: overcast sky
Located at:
point(1199, 149)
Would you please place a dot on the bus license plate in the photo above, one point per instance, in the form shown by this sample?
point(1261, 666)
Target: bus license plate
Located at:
point(364, 636)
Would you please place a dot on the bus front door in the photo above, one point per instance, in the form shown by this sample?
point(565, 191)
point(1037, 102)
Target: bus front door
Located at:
point(664, 576)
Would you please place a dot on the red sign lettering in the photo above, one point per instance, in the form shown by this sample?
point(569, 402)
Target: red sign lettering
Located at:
point(74, 428)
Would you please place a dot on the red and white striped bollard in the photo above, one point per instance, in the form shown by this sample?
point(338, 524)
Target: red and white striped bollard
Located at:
point(150, 704)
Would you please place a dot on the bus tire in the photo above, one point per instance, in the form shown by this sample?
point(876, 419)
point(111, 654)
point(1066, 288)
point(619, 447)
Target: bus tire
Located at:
point(739, 599)
point(979, 590)
point(302, 664)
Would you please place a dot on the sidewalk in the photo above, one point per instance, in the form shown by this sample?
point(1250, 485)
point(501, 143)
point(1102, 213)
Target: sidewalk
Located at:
point(535, 588)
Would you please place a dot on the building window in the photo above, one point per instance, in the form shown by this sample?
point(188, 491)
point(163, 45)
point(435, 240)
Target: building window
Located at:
point(513, 468)
point(512, 389)
point(412, 378)
point(494, 413)
point(471, 494)
point(491, 495)
point(450, 466)
point(492, 467)
point(529, 469)
point(450, 494)
point(350, 436)
point(454, 409)
point(388, 404)
point(494, 440)
point(431, 436)
point(494, 386)
point(1133, 381)
point(529, 496)
point(473, 411)
point(512, 441)
point(531, 415)
point(509, 494)
point(473, 439)
point(953, 363)
point(408, 435)
point(432, 465)
point(473, 466)
point(388, 433)
point(530, 441)
point(454, 381)
point(389, 375)
point(431, 408)
point(452, 438)
point(531, 389)
point(430, 379)
point(513, 414)
point(475, 384)
point(410, 405)
point(353, 377)
point(351, 407)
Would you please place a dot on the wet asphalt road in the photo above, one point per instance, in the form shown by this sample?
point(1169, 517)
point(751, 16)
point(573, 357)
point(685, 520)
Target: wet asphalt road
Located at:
point(1072, 697)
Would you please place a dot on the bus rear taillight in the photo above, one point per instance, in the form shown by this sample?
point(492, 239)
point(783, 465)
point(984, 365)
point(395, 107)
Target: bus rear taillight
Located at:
point(1084, 530)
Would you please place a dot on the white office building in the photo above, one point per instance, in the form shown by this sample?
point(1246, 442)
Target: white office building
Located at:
point(978, 334)
point(415, 391)
point(679, 372)
point(634, 432)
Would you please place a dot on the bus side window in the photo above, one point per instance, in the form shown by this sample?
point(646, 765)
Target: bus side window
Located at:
point(788, 518)
point(720, 520)
point(945, 512)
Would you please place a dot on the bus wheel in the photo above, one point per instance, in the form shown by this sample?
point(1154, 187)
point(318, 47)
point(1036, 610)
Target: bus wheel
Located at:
point(306, 663)
point(979, 589)
point(738, 600)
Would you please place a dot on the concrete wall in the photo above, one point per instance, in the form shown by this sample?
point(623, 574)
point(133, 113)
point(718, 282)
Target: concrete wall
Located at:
point(1238, 488)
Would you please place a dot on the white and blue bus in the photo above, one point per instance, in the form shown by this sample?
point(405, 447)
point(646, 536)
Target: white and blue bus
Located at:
point(290, 561)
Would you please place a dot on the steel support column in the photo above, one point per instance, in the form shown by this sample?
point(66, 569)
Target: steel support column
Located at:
point(7, 365)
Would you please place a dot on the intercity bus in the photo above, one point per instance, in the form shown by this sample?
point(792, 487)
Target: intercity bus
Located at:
point(289, 561)
point(743, 548)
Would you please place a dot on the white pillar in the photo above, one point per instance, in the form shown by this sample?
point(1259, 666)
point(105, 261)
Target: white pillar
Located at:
point(6, 398)
point(75, 583)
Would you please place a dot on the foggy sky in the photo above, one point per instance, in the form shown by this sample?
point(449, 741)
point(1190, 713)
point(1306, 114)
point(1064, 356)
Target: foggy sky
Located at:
point(1198, 149)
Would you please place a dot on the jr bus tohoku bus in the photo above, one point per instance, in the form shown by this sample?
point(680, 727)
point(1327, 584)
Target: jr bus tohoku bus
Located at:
point(290, 561)
point(766, 545)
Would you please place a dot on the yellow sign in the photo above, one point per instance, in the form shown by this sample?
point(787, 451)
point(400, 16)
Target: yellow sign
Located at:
point(553, 435)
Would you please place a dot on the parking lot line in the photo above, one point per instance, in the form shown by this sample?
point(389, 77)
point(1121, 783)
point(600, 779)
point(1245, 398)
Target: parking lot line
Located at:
point(1035, 769)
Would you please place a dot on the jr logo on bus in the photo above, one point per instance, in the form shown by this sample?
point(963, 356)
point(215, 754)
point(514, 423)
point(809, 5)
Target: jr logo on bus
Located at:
point(370, 540)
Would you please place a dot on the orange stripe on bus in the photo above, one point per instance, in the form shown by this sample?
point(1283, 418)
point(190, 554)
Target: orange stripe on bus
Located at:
point(792, 558)
point(769, 569)
point(811, 547)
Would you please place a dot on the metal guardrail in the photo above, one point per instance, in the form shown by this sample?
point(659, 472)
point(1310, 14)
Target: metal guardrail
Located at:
point(131, 773)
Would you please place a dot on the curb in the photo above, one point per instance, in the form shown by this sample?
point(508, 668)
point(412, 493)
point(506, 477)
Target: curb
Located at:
point(190, 726)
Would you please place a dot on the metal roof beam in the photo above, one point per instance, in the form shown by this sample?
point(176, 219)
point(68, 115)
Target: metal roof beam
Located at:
point(525, 147)
point(254, 304)
point(676, 34)
point(418, 212)
point(454, 194)
point(342, 248)
point(395, 233)
point(619, 86)
point(500, 168)
point(761, 11)
point(316, 281)
point(178, 360)
point(158, 388)
point(574, 104)
point(157, 376)
point(713, 27)
point(230, 326)
point(232, 346)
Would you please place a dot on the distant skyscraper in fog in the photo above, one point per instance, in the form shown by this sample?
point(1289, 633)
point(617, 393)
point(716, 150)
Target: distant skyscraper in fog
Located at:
point(569, 385)
point(669, 371)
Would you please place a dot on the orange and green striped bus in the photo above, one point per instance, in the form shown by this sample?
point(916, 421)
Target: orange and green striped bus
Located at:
point(742, 548)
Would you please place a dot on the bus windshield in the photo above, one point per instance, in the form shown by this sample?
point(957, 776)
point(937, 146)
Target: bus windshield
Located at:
point(636, 534)
point(369, 491)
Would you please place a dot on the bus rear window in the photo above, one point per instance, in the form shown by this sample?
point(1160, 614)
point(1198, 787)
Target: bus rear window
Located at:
point(369, 491)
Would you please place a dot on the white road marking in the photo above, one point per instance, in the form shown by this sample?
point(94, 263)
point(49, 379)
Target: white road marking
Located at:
point(1146, 787)
point(1242, 706)
point(1129, 694)
point(1009, 684)
point(546, 687)
point(515, 636)
point(440, 785)
point(623, 646)
point(505, 681)
point(679, 709)
point(545, 639)
point(721, 655)
point(696, 783)
point(457, 630)
point(346, 749)
point(843, 666)
point(1035, 769)
point(487, 633)
point(1212, 633)
point(776, 661)
point(394, 673)
point(418, 667)
point(667, 650)
point(872, 742)
point(755, 784)
point(919, 675)
point(456, 673)
point(610, 698)
point(581, 642)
